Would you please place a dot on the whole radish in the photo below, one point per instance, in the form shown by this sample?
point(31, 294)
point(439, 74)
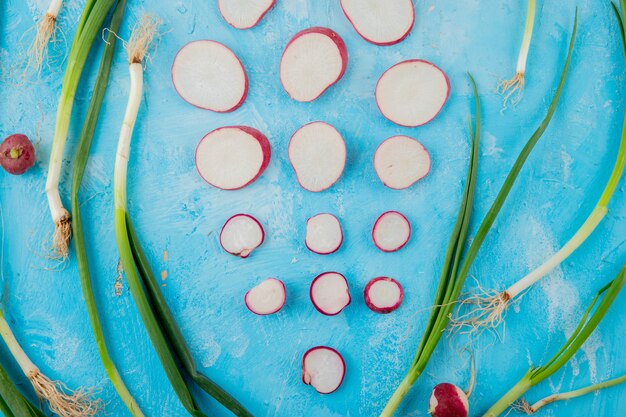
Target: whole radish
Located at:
point(448, 400)
point(17, 154)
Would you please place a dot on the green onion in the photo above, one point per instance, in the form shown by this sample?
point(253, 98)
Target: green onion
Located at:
point(12, 401)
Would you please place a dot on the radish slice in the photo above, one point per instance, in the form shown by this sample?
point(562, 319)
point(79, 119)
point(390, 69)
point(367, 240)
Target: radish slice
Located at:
point(448, 400)
point(323, 368)
point(383, 295)
point(391, 231)
point(323, 234)
point(401, 161)
point(266, 298)
point(412, 92)
point(313, 60)
point(244, 14)
point(329, 293)
point(241, 235)
point(381, 22)
point(317, 154)
point(232, 157)
point(207, 74)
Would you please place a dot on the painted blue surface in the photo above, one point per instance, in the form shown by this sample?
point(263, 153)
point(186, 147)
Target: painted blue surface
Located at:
point(258, 359)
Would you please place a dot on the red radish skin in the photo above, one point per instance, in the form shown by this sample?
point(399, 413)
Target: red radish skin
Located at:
point(266, 298)
point(329, 293)
point(323, 368)
point(448, 400)
point(323, 234)
point(221, 161)
point(208, 75)
point(412, 93)
point(241, 234)
point(401, 161)
point(381, 22)
point(383, 295)
point(244, 14)
point(17, 154)
point(391, 231)
point(298, 70)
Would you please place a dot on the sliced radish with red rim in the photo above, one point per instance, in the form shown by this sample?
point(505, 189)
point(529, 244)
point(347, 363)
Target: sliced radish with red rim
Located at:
point(381, 22)
point(241, 235)
point(330, 293)
point(313, 60)
point(244, 14)
point(412, 92)
point(391, 231)
point(207, 74)
point(383, 295)
point(323, 368)
point(266, 298)
point(448, 400)
point(323, 234)
point(401, 161)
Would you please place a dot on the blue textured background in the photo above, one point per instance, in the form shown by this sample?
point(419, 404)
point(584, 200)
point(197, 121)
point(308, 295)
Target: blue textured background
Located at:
point(256, 358)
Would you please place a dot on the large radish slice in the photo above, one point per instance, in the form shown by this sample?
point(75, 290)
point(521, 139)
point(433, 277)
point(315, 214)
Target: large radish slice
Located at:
point(391, 231)
point(244, 14)
point(241, 234)
point(401, 161)
point(209, 75)
point(381, 22)
point(232, 157)
point(317, 154)
point(323, 368)
point(329, 293)
point(266, 298)
point(323, 234)
point(313, 60)
point(383, 295)
point(412, 92)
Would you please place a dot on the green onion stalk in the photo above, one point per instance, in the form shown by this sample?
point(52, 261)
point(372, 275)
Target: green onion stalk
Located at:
point(12, 402)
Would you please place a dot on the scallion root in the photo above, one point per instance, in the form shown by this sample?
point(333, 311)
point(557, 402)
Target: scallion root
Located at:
point(143, 35)
point(62, 235)
point(512, 89)
point(38, 52)
point(485, 311)
point(62, 400)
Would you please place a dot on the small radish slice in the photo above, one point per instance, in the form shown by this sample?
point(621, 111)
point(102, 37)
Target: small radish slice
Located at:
point(244, 14)
point(317, 153)
point(329, 293)
point(448, 400)
point(383, 295)
point(391, 231)
point(381, 22)
point(232, 157)
point(323, 234)
point(401, 161)
point(313, 60)
point(241, 235)
point(208, 75)
point(323, 368)
point(412, 92)
point(266, 298)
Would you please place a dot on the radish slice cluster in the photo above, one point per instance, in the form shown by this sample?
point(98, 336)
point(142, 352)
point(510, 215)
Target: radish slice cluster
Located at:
point(313, 60)
point(208, 75)
point(330, 293)
point(383, 295)
point(401, 161)
point(266, 298)
point(391, 231)
point(381, 22)
point(323, 234)
point(232, 157)
point(448, 400)
point(244, 14)
point(317, 153)
point(241, 235)
point(323, 368)
point(412, 92)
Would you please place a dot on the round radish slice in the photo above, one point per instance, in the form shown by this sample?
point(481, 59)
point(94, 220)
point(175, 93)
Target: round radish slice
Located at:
point(232, 157)
point(209, 75)
point(266, 298)
point(329, 293)
point(323, 234)
point(317, 153)
point(241, 235)
point(323, 368)
point(381, 22)
point(391, 231)
point(401, 161)
point(412, 92)
point(313, 60)
point(383, 295)
point(244, 14)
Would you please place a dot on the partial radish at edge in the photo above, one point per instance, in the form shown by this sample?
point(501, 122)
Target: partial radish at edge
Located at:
point(323, 368)
point(244, 14)
point(391, 231)
point(241, 235)
point(383, 295)
point(401, 161)
point(329, 293)
point(448, 400)
point(266, 298)
point(323, 234)
point(381, 22)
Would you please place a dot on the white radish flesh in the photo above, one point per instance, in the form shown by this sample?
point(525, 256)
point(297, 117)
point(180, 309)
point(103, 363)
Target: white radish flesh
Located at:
point(401, 161)
point(241, 235)
point(313, 60)
point(266, 298)
point(207, 74)
point(448, 400)
point(317, 153)
point(323, 234)
point(323, 368)
point(329, 293)
point(383, 295)
point(381, 22)
point(412, 92)
point(232, 157)
point(244, 14)
point(391, 231)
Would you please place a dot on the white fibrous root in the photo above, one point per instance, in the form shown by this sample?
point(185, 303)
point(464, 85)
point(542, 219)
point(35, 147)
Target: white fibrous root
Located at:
point(63, 401)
